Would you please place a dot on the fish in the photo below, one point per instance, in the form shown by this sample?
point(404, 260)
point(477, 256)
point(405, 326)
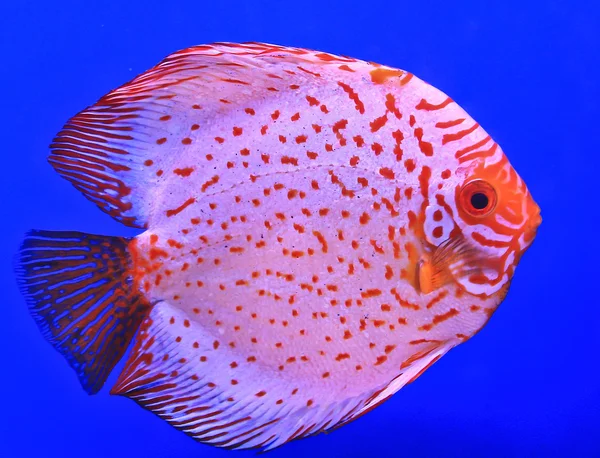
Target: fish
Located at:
point(315, 232)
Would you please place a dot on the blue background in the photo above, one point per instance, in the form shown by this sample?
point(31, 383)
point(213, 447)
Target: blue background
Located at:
point(527, 385)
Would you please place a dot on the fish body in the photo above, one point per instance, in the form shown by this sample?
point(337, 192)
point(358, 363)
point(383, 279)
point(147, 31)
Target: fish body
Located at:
point(318, 231)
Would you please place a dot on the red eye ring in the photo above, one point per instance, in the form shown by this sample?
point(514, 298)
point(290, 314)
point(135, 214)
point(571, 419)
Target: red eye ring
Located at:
point(478, 198)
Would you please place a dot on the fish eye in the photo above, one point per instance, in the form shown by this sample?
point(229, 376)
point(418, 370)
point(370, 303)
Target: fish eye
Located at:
point(479, 201)
point(478, 198)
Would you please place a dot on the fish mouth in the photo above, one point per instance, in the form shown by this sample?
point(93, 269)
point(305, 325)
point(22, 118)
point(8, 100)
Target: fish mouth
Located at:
point(533, 222)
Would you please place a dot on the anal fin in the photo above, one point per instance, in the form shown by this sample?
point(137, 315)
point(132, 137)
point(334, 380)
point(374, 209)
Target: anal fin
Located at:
point(180, 372)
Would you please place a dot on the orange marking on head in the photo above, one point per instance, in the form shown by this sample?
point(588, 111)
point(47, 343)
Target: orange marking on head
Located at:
point(425, 147)
point(448, 124)
point(462, 152)
point(424, 177)
point(447, 138)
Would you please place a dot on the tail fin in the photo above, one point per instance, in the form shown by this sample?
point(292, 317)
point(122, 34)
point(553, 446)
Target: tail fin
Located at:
point(81, 295)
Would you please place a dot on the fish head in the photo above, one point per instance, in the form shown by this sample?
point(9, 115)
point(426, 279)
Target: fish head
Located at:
point(479, 225)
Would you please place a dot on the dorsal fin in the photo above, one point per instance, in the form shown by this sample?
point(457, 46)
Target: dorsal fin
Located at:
point(116, 151)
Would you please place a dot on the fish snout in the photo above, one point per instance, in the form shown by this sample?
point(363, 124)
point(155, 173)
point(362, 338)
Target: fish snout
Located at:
point(534, 219)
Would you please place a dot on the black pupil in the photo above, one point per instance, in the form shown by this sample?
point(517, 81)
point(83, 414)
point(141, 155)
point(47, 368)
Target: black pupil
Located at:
point(479, 200)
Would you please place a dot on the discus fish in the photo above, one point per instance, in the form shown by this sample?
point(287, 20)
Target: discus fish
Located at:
point(318, 231)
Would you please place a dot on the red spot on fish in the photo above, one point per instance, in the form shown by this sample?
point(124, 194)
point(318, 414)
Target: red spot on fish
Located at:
point(380, 360)
point(312, 101)
point(182, 207)
point(214, 180)
point(425, 105)
point(378, 123)
point(447, 138)
point(425, 147)
point(360, 106)
point(387, 173)
point(409, 164)
point(377, 148)
point(185, 172)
